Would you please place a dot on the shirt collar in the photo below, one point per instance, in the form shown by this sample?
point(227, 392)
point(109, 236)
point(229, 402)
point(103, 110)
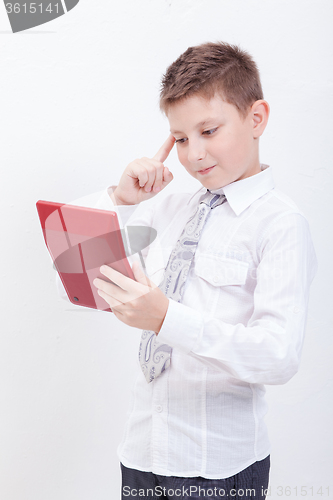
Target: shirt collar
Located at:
point(241, 194)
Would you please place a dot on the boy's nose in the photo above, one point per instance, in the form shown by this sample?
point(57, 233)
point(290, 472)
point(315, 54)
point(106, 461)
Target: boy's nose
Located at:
point(196, 152)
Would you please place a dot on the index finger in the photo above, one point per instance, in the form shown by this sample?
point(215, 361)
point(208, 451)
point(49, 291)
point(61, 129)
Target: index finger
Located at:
point(164, 150)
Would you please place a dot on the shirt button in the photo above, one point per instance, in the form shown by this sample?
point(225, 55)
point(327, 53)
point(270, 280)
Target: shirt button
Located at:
point(159, 408)
point(296, 310)
point(215, 279)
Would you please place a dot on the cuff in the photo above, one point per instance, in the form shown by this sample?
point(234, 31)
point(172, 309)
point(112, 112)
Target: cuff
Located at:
point(105, 202)
point(123, 211)
point(182, 327)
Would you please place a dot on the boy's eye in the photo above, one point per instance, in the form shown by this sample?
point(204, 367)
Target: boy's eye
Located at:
point(206, 132)
point(211, 131)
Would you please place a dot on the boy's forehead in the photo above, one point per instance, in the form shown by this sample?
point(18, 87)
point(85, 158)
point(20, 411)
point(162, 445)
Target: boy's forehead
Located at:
point(197, 110)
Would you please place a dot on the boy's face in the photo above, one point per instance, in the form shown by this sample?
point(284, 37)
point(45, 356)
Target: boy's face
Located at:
point(211, 134)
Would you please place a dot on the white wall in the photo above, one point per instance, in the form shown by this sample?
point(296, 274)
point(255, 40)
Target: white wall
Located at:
point(79, 101)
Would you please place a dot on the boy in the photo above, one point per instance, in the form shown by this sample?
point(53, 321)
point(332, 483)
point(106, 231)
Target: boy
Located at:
point(243, 254)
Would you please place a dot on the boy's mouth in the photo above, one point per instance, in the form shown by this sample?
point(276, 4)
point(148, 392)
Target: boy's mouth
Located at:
point(206, 170)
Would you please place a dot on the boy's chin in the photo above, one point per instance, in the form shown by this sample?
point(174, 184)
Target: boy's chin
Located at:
point(214, 183)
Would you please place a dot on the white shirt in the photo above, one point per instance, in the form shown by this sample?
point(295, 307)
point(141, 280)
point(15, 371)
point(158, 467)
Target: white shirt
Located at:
point(240, 325)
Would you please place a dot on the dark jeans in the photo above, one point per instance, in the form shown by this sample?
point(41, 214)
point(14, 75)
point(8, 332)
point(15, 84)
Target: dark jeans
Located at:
point(250, 483)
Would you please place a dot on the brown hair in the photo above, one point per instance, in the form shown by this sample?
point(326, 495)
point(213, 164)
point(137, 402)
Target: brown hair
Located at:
point(213, 68)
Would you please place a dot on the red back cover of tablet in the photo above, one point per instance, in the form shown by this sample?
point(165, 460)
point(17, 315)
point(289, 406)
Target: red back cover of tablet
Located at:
point(80, 240)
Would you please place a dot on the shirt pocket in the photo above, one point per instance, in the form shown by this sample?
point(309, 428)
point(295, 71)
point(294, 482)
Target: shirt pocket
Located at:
point(221, 271)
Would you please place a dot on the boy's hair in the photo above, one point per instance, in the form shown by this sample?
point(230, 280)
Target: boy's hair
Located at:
point(213, 68)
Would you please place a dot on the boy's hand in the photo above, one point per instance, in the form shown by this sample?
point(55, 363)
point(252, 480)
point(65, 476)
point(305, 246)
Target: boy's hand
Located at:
point(137, 303)
point(145, 177)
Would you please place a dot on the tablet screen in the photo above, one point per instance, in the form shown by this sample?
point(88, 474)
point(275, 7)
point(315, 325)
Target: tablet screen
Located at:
point(80, 240)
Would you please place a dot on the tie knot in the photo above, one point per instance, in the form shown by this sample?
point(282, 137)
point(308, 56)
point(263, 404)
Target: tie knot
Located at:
point(213, 200)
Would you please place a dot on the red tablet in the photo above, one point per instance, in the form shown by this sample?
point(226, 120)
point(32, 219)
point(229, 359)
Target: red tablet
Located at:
point(80, 240)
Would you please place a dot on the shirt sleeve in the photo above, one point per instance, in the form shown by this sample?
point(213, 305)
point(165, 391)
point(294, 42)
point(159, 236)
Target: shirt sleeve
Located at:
point(267, 349)
point(124, 212)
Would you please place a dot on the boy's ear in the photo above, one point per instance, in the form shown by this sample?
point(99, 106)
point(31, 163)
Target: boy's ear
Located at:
point(260, 114)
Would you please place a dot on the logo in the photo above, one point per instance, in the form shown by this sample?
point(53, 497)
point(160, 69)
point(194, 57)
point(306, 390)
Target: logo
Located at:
point(24, 15)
